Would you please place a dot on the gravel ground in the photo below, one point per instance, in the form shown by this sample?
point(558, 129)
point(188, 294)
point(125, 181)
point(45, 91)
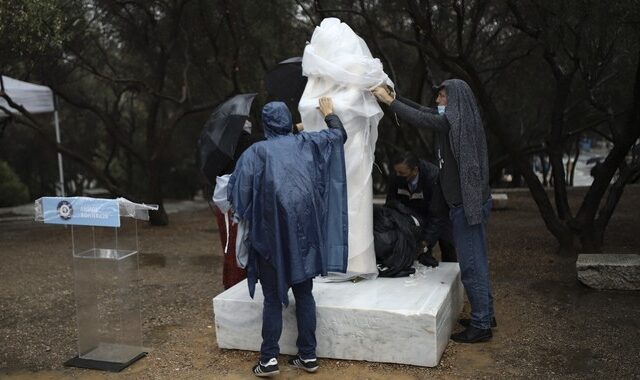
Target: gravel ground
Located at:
point(550, 326)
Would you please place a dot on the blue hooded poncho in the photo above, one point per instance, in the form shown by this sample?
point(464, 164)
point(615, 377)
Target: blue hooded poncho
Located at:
point(292, 191)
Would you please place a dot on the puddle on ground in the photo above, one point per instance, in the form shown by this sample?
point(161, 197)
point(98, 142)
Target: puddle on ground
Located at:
point(153, 260)
point(159, 260)
point(581, 361)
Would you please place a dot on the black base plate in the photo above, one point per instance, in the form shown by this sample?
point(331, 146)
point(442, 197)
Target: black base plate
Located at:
point(101, 365)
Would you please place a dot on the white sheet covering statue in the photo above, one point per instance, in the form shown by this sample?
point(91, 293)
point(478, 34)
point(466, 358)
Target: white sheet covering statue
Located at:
point(339, 64)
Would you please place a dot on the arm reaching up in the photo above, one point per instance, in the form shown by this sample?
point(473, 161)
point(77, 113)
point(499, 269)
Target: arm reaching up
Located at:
point(332, 120)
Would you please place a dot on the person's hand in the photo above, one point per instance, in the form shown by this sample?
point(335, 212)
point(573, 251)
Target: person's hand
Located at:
point(382, 95)
point(299, 127)
point(390, 90)
point(392, 93)
point(325, 106)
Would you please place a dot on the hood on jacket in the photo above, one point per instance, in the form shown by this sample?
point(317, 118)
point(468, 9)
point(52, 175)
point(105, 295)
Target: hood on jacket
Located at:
point(469, 147)
point(459, 95)
point(276, 119)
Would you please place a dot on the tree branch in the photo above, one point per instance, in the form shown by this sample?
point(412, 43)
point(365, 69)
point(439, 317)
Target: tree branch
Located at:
point(30, 121)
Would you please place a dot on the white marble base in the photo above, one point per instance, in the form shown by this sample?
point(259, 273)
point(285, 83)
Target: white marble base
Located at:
point(394, 320)
point(500, 201)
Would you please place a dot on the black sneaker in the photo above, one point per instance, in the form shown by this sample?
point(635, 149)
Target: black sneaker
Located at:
point(466, 322)
point(309, 365)
point(266, 370)
point(472, 335)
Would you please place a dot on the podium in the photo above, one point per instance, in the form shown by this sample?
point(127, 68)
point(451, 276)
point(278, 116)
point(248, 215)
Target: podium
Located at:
point(104, 239)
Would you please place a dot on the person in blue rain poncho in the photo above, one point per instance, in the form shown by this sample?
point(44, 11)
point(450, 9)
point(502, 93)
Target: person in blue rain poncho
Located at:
point(291, 189)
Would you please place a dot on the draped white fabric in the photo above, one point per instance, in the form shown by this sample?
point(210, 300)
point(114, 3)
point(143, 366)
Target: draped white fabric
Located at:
point(339, 64)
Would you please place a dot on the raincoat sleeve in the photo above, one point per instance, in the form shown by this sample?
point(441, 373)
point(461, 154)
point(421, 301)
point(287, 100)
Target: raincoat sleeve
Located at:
point(420, 118)
point(333, 122)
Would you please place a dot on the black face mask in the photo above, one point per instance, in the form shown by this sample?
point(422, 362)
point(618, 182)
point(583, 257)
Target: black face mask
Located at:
point(406, 178)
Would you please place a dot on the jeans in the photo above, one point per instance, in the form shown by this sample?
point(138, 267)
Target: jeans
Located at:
point(272, 315)
point(471, 246)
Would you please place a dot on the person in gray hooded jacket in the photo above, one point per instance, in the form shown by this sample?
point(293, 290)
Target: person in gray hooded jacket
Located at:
point(464, 178)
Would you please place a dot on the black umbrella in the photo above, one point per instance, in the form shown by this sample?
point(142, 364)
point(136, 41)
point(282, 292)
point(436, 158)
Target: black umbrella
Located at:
point(286, 83)
point(220, 135)
point(594, 160)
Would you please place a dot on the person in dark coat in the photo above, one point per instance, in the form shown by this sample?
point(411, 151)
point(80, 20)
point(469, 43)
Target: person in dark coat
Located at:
point(464, 178)
point(415, 184)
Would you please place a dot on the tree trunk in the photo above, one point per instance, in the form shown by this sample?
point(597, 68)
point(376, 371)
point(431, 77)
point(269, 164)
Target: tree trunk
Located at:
point(591, 238)
point(160, 217)
point(556, 143)
point(572, 173)
point(568, 243)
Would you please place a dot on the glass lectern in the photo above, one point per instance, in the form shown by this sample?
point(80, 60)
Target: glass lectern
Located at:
point(104, 239)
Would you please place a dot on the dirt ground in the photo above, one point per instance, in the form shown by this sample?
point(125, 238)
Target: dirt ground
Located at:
point(549, 325)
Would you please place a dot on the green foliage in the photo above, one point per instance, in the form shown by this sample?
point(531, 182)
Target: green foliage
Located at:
point(134, 72)
point(30, 30)
point(12, 191)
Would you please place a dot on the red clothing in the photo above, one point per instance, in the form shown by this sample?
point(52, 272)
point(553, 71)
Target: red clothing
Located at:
point(231, 273)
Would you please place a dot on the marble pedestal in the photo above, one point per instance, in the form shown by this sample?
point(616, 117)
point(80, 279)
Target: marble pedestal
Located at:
point(404, 320)
point(500, 201)
point(609, 271)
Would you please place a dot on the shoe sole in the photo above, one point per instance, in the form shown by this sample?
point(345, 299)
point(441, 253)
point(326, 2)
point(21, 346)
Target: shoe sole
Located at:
point(310, 370)
point(267, 374)
point(480, 340)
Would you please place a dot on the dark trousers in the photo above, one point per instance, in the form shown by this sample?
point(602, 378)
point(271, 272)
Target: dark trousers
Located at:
point(471, 246)
point(272, 315)
point(447, 251)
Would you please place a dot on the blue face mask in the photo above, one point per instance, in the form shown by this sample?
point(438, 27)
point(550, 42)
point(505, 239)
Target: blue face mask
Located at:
point(441, 110)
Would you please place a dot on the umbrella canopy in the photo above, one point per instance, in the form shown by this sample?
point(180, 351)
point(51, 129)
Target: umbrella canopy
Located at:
point(286, 82)
point(34, 98)
point(220, 135)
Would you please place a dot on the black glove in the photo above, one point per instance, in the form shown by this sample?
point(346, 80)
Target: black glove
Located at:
point(427, 259)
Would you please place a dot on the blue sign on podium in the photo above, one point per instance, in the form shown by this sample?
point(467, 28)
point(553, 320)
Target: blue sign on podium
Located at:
point(81, 211)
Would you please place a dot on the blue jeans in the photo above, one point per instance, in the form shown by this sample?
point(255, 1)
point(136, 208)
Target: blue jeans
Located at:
point(471, 246)
point(272, 315)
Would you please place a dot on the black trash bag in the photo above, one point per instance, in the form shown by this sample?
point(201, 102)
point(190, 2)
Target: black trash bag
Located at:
point(395, 238)
point(424, 258)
